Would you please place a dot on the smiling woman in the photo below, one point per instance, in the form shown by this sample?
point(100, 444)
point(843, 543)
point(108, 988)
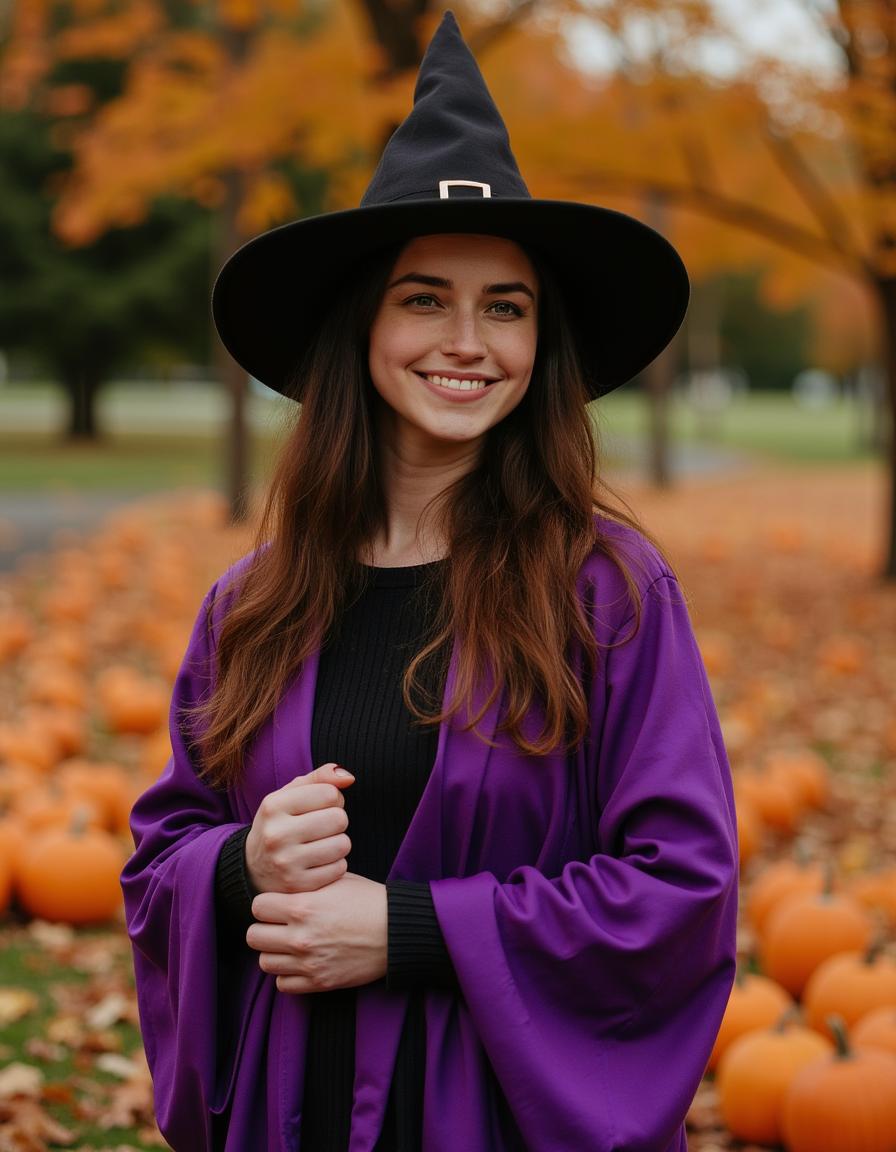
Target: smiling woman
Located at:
point(518, 906)
point(451, 363)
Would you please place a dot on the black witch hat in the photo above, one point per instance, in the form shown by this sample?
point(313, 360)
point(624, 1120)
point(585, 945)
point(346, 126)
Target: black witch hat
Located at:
point(449, 168)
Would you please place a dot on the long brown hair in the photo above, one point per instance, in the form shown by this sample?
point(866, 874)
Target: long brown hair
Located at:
point(519, 527)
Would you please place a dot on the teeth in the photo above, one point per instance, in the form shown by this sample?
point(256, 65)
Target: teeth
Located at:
point(458, 385)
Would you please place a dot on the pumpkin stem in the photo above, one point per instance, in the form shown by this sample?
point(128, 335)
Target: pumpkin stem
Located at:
point(792, 1015)
point(837, 1026)
point(80, 820)
point(876, 947)
point(802, 854)
point(827, 888)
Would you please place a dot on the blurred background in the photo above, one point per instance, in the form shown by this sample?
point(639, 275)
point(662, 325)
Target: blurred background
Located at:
point(142, 141)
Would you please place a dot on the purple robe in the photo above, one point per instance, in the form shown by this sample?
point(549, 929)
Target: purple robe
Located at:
point(587, 901)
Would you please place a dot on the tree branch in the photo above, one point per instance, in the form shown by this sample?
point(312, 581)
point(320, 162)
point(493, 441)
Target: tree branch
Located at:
point(825, 210)
point(741, 214)
point(485, 37)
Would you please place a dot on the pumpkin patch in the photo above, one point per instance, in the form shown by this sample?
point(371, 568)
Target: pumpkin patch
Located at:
point(86, 669)
point(843, 1102)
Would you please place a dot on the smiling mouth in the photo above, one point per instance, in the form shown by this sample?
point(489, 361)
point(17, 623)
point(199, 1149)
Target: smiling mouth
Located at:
point(455, 383)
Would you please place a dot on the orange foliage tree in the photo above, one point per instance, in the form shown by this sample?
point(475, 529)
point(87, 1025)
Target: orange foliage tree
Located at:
point(785, 155)
point(798, 155)
point(216, 97)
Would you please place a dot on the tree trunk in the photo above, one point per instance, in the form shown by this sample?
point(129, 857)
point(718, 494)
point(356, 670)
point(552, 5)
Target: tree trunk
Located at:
point(232, 377)
point(888, 303)
point(82, 387)
point(235, 42)
point(658, 378)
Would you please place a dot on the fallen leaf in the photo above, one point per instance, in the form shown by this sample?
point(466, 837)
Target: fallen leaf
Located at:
point(16, 1003)
point(26, 1127)
point(117, 1065)
point(20, 1079)
point(109, 1011)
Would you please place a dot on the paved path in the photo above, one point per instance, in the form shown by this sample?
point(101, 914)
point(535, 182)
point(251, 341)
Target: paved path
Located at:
point(35, 521)
point(32, 521)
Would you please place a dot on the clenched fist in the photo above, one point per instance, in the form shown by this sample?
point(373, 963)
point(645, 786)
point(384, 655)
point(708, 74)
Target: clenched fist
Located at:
point(297, 842)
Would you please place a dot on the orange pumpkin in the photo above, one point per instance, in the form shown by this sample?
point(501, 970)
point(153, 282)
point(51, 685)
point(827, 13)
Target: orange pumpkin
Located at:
point(29, 743)
point(155, 754)
point(776, 883)
point(5, 884)
point(16, 781)
point(749, 831)
point(877, 890)
point(55, 685)
point(15, 633)
point(803, 931)
point(777, 798)
point(71, 875)
point(850, 985)
point(66, 646)
point(715, 648)
point(808, 772)
point(131, 703)
point(67, 726)
point(105, 786)
point(755, 1003)
point(843, 655)
point(49, 807)
point(755, 1073)
point(877, 1029)
point(71, 601)
point(843, 1102)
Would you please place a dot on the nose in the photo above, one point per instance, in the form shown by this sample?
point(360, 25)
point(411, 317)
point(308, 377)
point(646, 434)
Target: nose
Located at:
point(462, 336)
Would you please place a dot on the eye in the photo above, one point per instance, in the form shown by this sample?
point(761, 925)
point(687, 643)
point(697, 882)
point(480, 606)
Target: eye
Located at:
point(512, 309)
point(423, 300)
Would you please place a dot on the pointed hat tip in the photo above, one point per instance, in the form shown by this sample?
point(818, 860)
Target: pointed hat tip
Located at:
point(448, 22)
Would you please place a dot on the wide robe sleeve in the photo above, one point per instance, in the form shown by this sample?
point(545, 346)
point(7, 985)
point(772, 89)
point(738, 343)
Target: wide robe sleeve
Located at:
point(597, 993)
point(195, 1036)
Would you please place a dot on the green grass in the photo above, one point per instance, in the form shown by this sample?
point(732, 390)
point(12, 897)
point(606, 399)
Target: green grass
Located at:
point(30, 461)
point(765, 424)
point(162, 437)
point(25, 964)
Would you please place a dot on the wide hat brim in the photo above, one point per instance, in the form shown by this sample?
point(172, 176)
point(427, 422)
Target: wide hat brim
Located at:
point(624, 286)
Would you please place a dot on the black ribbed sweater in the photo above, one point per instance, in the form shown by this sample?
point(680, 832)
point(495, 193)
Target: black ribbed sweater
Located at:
point(360, 721)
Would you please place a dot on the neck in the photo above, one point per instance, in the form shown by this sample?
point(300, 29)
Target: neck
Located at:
point(413, 475)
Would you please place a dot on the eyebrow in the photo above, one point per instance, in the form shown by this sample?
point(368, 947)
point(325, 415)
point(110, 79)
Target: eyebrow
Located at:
point(440, 282)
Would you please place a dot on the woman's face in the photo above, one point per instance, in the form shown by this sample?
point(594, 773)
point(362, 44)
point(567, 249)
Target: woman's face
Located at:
point(453, 342)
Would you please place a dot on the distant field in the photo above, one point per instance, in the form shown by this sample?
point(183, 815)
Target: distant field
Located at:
point(765, 423)
point(166, 436)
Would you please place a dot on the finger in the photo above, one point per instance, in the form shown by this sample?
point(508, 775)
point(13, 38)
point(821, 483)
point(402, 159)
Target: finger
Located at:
point(274, 907)
point(268, 938)
point(280, 964)
point(327, 774)
point(311, 879)
point(296, 798)
point(328, 850)
point(320, 824)
point(297, 985)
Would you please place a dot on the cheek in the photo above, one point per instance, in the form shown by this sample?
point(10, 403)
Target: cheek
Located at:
point(390, 346)
point(523, 357)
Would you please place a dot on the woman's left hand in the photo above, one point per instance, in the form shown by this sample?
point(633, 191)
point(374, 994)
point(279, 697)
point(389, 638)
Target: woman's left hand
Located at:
point(333, 937)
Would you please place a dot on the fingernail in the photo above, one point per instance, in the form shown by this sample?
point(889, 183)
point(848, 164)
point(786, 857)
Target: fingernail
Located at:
point(340, 771)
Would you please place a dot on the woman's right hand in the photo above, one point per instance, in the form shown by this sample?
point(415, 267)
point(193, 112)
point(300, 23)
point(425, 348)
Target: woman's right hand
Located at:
point(297, 841)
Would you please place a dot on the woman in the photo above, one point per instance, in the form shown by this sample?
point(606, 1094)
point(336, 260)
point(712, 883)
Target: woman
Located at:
point(511, 924)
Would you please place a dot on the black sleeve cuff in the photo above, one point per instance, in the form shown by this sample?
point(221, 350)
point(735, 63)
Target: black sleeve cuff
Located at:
point(233, 889)
point(417, 956)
